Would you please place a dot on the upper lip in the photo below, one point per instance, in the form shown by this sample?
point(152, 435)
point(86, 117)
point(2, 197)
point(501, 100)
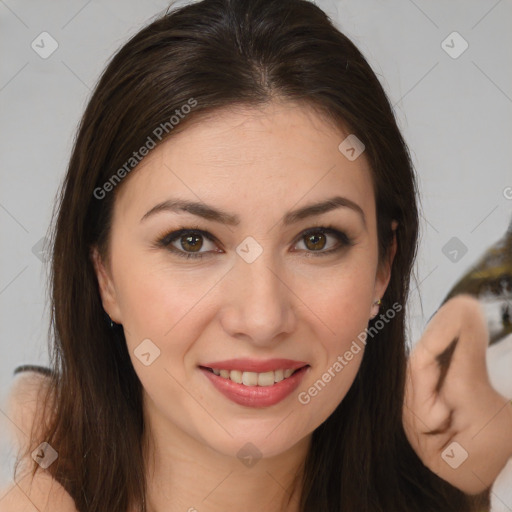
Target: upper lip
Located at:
point(255, 365)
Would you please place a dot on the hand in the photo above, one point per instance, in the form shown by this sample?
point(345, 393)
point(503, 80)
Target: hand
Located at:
point(448, 393)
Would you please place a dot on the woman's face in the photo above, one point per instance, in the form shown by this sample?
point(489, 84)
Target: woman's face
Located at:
point(246, 290)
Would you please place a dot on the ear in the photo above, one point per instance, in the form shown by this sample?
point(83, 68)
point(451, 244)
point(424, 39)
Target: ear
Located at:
point(384, 270)
point(106, 286)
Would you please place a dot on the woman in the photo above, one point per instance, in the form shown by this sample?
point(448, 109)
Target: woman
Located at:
point(242, 205)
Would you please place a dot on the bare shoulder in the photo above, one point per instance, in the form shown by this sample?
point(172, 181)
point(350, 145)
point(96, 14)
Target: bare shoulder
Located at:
point(25, 406)
point(28, 493)
point(39, 494)
point(26, 393)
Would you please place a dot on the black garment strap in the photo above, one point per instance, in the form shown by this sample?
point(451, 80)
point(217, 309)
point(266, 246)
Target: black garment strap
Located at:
point(33, 368)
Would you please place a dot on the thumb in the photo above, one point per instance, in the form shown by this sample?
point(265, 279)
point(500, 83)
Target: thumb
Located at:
point(457, 337)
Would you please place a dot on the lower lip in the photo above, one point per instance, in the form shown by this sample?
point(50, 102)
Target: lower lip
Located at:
point(256, 396)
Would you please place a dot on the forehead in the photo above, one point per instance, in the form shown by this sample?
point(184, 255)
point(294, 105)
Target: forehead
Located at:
point(263, 158)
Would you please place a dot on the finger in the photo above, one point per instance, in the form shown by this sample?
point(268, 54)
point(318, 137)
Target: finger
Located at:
point(461, 322)
point(442, 328)
point(425, 409)
point(472, 352)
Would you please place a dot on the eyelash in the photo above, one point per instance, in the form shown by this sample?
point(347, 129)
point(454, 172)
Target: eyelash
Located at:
point(166, 240)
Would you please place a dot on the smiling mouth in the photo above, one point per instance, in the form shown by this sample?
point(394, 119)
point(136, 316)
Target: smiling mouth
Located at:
point(253, 378)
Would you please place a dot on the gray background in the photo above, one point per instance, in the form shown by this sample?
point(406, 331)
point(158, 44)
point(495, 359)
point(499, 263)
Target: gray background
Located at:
point(455, 114)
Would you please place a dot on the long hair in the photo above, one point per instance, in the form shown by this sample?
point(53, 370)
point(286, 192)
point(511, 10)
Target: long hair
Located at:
point(210, 55)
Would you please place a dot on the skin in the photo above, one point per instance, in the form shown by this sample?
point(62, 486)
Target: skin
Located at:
point(281, 154)
point(41, 493)
point(479, 419)
point(258, 164)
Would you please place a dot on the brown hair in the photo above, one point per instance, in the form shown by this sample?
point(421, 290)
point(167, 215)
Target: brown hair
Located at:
point(222, 53)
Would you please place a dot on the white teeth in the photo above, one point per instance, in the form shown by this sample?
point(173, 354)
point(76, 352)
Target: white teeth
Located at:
point(253, 378)
point(250, 378)
point(236, 376)
point(266, 379)
point(278, 375)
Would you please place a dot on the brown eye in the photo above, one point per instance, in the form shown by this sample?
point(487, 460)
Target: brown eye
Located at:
point(315, 241)
point(322, 241)
point(189, 243)
point(192, 243)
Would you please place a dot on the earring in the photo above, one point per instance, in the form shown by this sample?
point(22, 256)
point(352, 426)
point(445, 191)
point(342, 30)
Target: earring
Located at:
point(109, 320)
point(375, 308)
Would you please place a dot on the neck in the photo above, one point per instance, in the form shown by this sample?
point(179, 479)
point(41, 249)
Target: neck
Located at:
point(184, 474)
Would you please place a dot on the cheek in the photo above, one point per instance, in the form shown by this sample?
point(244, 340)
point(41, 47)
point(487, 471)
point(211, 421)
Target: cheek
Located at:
point(340, 299)
point(340, 310)
point(160, 299)
point(161, 302)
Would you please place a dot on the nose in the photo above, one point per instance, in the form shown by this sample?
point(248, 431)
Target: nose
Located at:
point(259, 306)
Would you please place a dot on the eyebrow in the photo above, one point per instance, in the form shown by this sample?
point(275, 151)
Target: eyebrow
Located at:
point(216, 215)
